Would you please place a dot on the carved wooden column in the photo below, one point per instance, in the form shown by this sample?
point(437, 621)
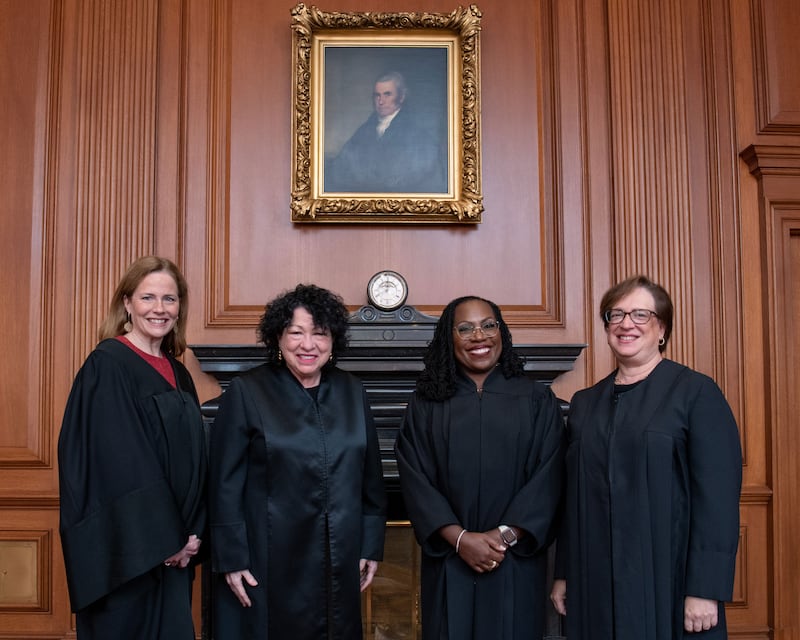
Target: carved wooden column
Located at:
point(115, 119)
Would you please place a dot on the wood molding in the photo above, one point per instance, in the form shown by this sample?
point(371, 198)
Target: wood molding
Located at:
point(27, 434)
point(783, 312)
point(776, 55)
point(650, 152)
point(772, 160)
point(25, 559)
point(115, 151)
point(777, 169)
point(224, 309)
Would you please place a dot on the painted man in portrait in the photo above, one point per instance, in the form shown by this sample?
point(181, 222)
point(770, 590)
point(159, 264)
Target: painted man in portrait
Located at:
point(394, 151)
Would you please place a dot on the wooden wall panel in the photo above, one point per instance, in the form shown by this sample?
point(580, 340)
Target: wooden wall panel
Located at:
point(611, 133)
point(249, 228)
point(778, 172)
point(34, 604)
point(25, 34)
point(776, 53)
point(115, 133)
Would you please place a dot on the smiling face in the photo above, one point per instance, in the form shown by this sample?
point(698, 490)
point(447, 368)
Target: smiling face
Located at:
point(387, 98)
point(477, 353)
point(635, 344)
point(305, 347)
point(154, 308)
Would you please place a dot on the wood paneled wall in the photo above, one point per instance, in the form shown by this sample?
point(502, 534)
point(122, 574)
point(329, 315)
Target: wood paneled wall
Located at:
point(617, 136)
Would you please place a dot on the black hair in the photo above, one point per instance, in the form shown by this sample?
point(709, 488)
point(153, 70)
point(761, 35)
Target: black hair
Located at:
point(438, 380)
point(326, 308)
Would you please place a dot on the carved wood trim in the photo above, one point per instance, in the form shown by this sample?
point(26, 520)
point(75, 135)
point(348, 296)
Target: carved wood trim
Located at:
point(115, 152)
point(224, 313)
point(25, 583)
point(773, 117)
point(36, 454)
point(723, 206)
point(649, 153)
point(777, 170)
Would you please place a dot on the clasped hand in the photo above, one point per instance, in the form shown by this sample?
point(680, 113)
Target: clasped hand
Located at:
point(482, 550)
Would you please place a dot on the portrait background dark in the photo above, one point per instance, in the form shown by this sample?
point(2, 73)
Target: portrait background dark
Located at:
point(349, 80)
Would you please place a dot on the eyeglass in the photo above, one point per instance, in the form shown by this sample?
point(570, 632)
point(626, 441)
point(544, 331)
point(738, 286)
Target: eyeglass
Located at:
point(466, 330)
point(639, 316)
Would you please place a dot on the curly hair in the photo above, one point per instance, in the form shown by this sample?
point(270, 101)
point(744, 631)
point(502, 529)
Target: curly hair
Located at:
point(113, 325)
point(326, 308)
point(438, 380)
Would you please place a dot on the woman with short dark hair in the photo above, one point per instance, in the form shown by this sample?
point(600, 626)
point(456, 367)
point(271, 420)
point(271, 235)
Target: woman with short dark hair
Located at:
point(654, 469)
point(297, 500)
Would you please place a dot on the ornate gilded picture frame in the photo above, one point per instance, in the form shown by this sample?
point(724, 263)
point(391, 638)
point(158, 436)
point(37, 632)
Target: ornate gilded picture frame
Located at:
point(386, 117)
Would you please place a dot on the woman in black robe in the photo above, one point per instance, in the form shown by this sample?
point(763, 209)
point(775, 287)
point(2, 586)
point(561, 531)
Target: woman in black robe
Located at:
point(132, 467)
point(654, 464)
point(480, 456)
point(297, 501)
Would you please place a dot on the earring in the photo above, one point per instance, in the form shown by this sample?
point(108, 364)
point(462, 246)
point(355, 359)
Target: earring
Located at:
point(280, 356)
point(661, 342)
point(330, 357)
point(128, 326)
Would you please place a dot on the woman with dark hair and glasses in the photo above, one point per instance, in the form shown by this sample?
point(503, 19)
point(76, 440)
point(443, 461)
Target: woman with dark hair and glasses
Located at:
point(654, 467)
point(480, 456)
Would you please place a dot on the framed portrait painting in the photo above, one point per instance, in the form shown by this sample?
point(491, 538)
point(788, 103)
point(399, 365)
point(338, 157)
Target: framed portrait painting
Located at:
point(386, 117)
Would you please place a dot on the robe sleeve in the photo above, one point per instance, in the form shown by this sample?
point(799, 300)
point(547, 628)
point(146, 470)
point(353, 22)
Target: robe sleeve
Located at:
point(428, 509)
point(535, 506)
point(715, 468)
point(373, 502)
point(228, 445)
point(119, 517)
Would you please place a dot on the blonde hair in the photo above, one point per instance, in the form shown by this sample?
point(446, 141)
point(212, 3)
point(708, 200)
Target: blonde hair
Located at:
point(114, 323)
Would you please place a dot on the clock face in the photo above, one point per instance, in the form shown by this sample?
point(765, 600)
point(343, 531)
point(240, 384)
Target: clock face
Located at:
point(387, 290)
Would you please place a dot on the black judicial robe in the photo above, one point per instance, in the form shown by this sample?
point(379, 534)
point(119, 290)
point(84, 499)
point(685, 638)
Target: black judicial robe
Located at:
point(297, 498)
point(652, 507)
point(481, 461)
point(132, 466)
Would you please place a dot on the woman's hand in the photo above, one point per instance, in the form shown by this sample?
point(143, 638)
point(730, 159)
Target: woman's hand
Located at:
point(558, 596)
point(700, 614)
point(184, 556)
point(481, 550)
point(234, 580)
point(367, 569)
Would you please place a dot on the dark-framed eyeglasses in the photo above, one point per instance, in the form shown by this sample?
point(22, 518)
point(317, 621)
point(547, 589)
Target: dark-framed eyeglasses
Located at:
point(638, 316)
point(488, 328)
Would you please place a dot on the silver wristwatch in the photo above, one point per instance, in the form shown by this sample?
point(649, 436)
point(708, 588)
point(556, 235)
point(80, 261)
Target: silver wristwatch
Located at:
point(508, 535)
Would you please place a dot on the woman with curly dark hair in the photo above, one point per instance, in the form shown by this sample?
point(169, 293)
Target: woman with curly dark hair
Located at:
point(480, 455)
point(297, 501)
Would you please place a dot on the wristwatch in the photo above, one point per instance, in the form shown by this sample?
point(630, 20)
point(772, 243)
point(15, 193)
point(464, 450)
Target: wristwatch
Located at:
point(508, 535)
